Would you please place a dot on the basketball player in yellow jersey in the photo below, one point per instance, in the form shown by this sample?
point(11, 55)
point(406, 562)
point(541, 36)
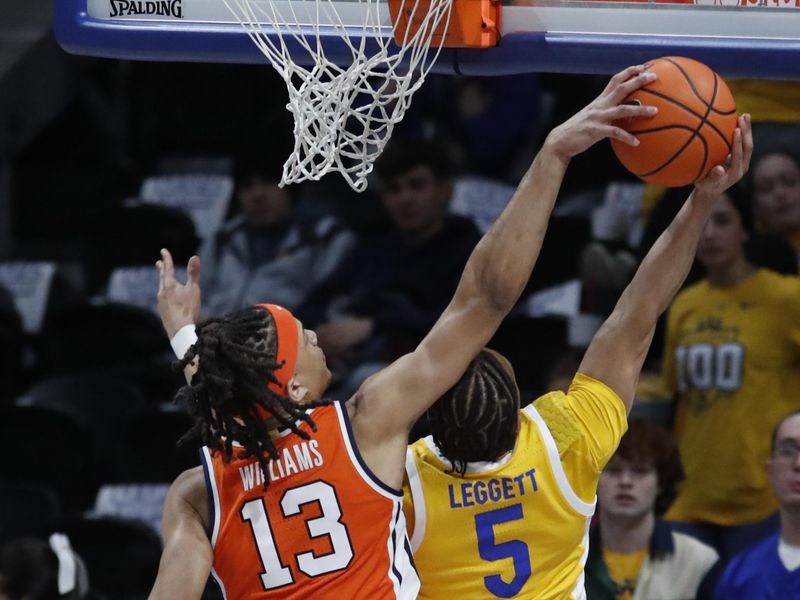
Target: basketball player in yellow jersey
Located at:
point(498, 499)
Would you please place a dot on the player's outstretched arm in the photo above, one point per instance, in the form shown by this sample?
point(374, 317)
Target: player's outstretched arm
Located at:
point(616, 353)
point(499, 267)
point(187, 557)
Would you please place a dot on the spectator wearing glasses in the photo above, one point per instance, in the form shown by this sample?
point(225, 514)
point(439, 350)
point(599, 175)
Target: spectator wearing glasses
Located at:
point(771, 568)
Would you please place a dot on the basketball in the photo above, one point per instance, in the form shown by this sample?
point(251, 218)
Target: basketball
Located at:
point(692, 131)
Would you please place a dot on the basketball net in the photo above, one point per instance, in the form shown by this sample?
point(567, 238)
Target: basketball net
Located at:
point(344, 115)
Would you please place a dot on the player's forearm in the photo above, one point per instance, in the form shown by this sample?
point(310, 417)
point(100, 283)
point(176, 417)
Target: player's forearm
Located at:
point(501, 263)
point(666, 265)
point(181, 575)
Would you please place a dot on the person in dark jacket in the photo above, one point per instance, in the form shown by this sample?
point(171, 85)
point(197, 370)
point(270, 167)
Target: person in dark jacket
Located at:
point(390, 289)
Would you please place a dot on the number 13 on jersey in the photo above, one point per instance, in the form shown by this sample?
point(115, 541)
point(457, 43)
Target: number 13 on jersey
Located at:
point(277, 572)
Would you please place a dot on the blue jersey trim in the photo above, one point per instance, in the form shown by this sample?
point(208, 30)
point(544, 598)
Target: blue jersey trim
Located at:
point(357, 453)
point(410, 554)
point(211, 509)
point(396, 548)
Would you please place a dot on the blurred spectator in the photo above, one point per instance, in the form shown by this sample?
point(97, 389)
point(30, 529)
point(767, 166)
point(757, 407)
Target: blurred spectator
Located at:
point(775, 178)
point(265, 252)
point(390, 289)
point(32, 569)
point(130, 235)
point(633, 553)
point(489, 126)
point(732, 355)
point(560, 375)
point(774, 107)
point(498, 123)
point(765, 251)
point(771, 569)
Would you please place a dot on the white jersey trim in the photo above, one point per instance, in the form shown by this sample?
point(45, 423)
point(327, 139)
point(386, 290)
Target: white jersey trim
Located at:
point(579, 593)
point(357, 461)
point(567, 492)
point(418, 501)
point(472, 467)
point(402, 560)
point(391, 546)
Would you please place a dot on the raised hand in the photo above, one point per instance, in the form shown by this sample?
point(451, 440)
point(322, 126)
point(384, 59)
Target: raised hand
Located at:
point(178, 304)
point(721, 177)
point(596, 121)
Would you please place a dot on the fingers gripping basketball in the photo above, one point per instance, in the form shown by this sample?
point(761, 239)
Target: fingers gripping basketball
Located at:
point(692, 131)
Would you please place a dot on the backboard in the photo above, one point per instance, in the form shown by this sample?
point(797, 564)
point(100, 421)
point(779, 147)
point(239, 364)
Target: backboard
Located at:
point(743, 38)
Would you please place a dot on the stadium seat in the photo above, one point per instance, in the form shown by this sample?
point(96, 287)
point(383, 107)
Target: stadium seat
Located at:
point(98, 402)
point(189, 164)
point(26, 510)
point(11, 344)
point(94, 399)
point(48, 448)
point(159, 459)
point(132, 236)
point(113, 337)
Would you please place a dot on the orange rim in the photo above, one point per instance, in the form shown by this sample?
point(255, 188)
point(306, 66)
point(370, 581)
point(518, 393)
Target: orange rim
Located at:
point(473, 23)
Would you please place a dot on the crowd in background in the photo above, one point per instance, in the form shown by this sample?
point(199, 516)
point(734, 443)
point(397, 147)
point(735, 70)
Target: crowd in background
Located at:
point(86, 382)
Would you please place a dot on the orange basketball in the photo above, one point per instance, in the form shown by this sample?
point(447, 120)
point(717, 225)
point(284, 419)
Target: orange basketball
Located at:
point(692, 131)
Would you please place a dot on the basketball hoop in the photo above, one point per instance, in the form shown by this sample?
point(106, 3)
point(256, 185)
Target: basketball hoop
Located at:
point(345, 110)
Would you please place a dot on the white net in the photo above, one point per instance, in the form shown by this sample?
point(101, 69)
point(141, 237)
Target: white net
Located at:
point(343, 113)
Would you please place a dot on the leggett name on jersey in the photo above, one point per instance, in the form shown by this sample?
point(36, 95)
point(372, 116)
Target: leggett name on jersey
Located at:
point(471, 493)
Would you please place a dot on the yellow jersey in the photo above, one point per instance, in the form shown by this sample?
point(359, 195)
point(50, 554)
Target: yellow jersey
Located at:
point(518, 527)
point(767, 101)
point(624, 571)
point(733, 357)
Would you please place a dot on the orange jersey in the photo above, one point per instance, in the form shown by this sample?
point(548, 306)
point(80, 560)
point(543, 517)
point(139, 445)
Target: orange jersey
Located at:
point(326, 527)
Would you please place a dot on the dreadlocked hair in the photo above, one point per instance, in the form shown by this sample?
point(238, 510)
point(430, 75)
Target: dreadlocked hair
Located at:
point(476, 419)
point(237, 359)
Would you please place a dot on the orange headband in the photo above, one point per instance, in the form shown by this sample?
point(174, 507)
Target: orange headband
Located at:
point(286, 327)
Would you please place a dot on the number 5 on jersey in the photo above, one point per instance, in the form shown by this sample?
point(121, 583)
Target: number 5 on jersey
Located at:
point(516, 550)
point(329, 524)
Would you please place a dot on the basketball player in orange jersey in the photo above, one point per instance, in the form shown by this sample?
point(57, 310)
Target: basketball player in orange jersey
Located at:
point(301, 498)
point(499, 499)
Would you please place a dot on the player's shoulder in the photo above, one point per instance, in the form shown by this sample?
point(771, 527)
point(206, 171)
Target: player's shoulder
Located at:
point(188, 494)
point(188, 482)
point(582, 389)
point(587, 408)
